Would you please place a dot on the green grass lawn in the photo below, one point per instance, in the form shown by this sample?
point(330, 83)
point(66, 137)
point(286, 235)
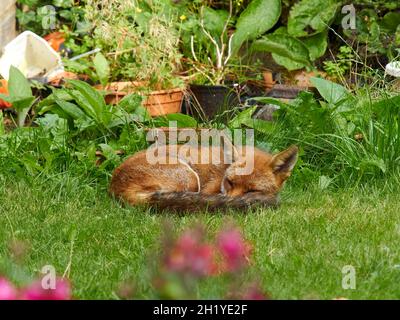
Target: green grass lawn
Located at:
point(299, 249)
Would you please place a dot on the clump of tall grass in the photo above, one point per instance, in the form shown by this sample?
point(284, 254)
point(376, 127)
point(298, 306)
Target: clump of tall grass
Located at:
point(350, 134)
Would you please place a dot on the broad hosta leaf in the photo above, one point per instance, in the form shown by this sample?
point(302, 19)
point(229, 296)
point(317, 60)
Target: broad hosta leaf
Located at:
point(317, 45)
point(309, 17)
point(256, 19)
point(332, 92)
point(214, 20)
point(18, 85)
point(47, 103)
point(70, 109)
point(391, 21)
point(284, 46)
point(20, 94)
point(102, 68)
point(23, 103)
point(91, 101)
point(84, 104)
point(93, 96)
point(6, 98)
point(288, 63)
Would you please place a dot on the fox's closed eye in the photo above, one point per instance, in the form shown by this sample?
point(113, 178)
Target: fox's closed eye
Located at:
point(253, 191)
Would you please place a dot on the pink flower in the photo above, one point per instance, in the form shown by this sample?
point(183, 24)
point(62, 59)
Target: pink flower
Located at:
point(7, 290)
point(190, 254)
point(35, 291)
point(234, 249)
point(254, 293)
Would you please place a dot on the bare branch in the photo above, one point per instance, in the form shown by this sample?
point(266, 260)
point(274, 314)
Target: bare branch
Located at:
point(227, 21)
point(192, 48)
point(229, 55)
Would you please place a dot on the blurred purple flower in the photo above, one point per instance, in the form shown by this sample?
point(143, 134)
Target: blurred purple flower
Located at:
point(190, 254)
point(254, 293)
point(7, 290)
point(35, 291)
point(234, 249)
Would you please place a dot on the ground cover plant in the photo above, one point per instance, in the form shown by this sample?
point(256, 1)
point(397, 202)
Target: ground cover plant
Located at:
point(340, 208)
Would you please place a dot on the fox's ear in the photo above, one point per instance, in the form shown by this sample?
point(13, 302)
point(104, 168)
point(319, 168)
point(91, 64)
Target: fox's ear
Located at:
point(284, 162)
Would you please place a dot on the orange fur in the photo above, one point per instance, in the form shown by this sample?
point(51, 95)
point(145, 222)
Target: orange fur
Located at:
point(136, 181)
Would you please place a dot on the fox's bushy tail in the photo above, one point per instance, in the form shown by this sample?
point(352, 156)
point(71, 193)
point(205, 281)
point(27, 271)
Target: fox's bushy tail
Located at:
point(194, 201)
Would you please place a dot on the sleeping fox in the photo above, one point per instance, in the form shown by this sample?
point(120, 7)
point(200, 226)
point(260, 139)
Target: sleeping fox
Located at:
point(184, 182)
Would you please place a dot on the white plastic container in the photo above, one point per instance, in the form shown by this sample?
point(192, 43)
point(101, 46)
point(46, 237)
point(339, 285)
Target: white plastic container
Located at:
point(32, 55)
point(393, 69)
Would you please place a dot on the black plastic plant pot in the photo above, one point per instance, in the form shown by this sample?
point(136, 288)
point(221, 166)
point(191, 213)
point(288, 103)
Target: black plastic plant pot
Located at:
point(211, 101)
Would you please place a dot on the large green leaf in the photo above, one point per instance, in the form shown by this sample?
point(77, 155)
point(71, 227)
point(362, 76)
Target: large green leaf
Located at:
point(84, 104)
point(102, 68)
point(182, 120)
point(317, 45)
point(6, 98)
point(283, 46)
point(91, 101)
point(288, 63)
point(390, 21)
point(69, 108)
point(18, 85)
point(245, 118)
point(332, 92)
point(256, 19)
point(92, 95)
point(215, 20)
point(309, 17)
point(242, 117)
point(20, 94)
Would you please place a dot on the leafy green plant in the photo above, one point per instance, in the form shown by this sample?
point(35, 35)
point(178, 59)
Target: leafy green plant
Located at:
point(213, 48)
point(310, 17)
point(377, 32)
point(304, 40)
point(102, 68)
point(139, 41)
point(342, 64)
point(345, 137)
point(85, 109)
point(43, 16)
point(20, 95)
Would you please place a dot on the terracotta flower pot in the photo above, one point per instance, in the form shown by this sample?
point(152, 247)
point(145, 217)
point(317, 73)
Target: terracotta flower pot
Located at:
point(269, 81)
point(157, 103)
point(163, 102)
